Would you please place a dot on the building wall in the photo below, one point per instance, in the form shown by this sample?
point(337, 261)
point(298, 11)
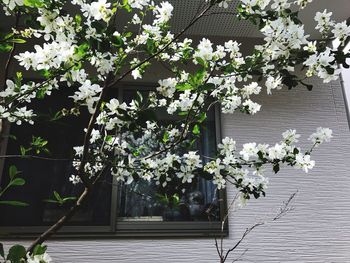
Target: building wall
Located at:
point(317, 230)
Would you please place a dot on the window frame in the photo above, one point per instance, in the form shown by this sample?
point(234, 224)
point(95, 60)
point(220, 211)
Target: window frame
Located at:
point(125, 229)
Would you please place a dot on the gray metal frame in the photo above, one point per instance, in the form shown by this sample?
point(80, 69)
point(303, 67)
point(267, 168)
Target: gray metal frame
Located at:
point(118, 229)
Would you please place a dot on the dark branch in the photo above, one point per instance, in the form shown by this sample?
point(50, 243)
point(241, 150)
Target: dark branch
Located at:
point(286, 207)
point(11, 54)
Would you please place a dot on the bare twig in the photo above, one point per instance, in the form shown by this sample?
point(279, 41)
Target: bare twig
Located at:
point(221, 13)
point(240, 256)
point(284, 209)
point(34, 157)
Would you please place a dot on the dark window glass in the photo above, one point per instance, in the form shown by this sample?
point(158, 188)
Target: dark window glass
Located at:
point(145, 201)
point(141, 201)
point(45, 176)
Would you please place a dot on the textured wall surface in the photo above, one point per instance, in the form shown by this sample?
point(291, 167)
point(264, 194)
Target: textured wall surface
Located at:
point(318, 230)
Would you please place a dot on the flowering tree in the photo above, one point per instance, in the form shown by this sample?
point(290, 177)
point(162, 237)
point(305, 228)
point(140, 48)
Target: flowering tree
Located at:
point(82, 49)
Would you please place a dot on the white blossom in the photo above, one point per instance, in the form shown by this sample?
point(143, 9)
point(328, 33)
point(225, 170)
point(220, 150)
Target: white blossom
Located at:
point(321, 135)
point(249, 151)
point(304, 162)
point(290, 136)
point(43, 258)
point(163, 12)
point(250, 89)
point(341, 31)
point(324, 21)
point(277, 152)
point(273, 83)
point(253, 107)
point(204, 50)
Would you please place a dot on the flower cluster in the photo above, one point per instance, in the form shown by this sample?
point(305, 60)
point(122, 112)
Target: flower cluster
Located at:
point(39, 258)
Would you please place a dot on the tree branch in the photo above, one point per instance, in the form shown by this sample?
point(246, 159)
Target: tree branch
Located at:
point(286, 207)
point(81, 174)
point(54, 228)
point(164, 48)
point(12, 52)
point(33, 157)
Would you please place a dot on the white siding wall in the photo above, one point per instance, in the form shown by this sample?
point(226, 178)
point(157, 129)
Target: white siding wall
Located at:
point(318, 230)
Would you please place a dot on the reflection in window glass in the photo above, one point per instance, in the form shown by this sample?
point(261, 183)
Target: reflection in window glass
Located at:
point(145, 201)
point(43, 176)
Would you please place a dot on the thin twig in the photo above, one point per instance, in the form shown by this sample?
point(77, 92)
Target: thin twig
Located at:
point(286, 207)
point(221, 13)
point(240, 256)
point(33, 157)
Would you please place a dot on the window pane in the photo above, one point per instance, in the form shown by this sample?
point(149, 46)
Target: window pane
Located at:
point(145, 201)
point(43, 177)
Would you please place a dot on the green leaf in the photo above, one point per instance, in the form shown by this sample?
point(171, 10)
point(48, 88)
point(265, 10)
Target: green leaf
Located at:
point(17, 182)
point(45, 73)
point(23, 150)
point(309, 87)
point(17, 40)
point(329, 70)
point(165, 137)
point(16, 253)
point(2, 253)
point(126, 6)
point(295, 151)
point(202, 117)
point(184, 86)
point(197, 79)
point(39, 250)
point(276, 168)
point(260, 155)
point(139, 96)
point(117, 41)
point(34, 3)
point(151, 46)
point(13, 172)
point(82, 49)
point(182, 113)
point(18, 78)
point(13, 137)
point(196, 130)
point(201, 62)
point(69, 198)
point(256, 195)
point(5, 47)
point(13, 203)
point(77, 19)
point(57, 196)
point(127, 34)
point(40, 94)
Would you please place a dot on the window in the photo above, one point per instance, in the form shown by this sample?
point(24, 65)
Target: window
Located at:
point(139, 209)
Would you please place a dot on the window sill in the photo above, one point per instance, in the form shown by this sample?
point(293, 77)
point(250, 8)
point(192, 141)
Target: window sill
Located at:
point(124, 230)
